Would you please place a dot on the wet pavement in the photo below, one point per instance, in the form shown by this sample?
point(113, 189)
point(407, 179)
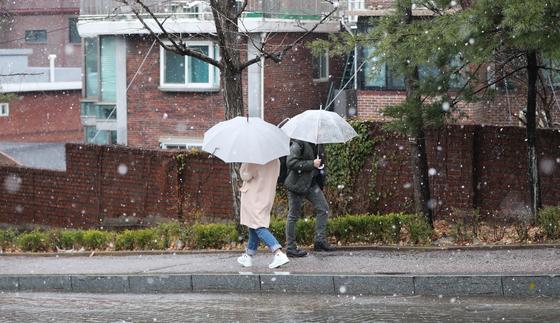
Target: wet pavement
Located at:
point(205, 307)
point(489, 261)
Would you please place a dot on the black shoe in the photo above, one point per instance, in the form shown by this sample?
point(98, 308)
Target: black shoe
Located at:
point(323, 246)
point(296, 253)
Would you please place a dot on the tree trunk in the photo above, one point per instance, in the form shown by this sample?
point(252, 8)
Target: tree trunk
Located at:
point(233, 98)
point(418, 155)
point(533, 170)
point(225, 18)
point(420, 177)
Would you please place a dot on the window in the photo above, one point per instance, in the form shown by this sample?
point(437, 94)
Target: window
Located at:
point(36, 36)
point(106, 112)
point(100, 137)
point(90, 67)
point(180, 143)
point(321, 66)
point(74, 36)
point(188, 72)
point(88, 109)
point(108, 69)
point(378, 76)
point(4, 109)
point(382, 76)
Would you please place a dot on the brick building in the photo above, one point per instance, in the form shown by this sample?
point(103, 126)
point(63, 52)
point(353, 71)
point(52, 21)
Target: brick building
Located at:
point(138, 94)
point(40, 59)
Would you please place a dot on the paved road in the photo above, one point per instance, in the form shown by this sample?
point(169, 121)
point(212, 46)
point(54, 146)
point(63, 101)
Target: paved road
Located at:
point(48, 307)
point(544, 260)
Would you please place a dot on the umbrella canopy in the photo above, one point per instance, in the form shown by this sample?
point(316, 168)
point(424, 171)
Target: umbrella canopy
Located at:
point(319, 127)
point(246, 140)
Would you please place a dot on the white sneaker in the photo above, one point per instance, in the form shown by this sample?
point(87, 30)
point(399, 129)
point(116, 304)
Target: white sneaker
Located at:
point(279, 259)
point(245, 260)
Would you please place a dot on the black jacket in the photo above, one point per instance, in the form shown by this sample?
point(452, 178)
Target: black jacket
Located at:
point(300, 167)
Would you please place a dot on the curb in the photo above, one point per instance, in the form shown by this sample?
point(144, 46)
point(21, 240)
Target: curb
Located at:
point(525, 285)
point(339, 248)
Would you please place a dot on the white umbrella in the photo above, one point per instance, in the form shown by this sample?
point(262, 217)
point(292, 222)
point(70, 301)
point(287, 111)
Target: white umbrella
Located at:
point(319, 127)
point(246, 140)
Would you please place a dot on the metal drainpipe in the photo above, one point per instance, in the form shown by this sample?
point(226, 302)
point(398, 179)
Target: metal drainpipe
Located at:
point(52, 57)
point(263, 36)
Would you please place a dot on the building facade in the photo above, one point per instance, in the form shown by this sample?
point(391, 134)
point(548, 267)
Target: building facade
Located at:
point(40, 73)
point(137, 93)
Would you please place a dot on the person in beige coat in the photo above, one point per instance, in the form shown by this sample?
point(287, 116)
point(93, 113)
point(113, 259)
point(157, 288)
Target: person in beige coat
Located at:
point(257, 196)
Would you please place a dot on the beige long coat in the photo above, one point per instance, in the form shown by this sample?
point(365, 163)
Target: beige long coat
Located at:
point(258, 192)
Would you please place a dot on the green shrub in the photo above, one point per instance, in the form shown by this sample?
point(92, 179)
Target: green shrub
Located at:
point(278, 229)
point(170, 232)
point(214, 235)
point(72, 239)
point(549, 221)
point(305, 231)
point(366, 228)
point(33, 241)
point(124, 240)
point(418, 228)
point(7, 238)
point(65, 239)
point(147, 239)
point(96, 239)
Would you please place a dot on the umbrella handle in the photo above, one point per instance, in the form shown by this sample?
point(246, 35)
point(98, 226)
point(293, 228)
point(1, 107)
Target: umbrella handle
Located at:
point(283, 122)
point(322, 165)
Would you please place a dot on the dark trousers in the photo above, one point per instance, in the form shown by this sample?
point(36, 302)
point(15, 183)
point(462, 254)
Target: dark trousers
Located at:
point(295, 202)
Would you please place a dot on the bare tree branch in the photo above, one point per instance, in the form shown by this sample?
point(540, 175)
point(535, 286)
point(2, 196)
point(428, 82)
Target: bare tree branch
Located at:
point(278, 55)
point(180, 48)
point(177, 47)
point(499, 79)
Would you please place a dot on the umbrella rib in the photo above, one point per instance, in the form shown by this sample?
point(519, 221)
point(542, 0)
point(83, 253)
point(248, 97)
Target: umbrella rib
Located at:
point(317, 129)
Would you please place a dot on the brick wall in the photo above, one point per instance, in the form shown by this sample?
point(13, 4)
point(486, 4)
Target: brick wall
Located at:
point(501, 110)
point(52, 116)
point(474, 167)
point(206, 189)
point(152, 113)
point(289, 87)
point(370, 103)
point(107, 186)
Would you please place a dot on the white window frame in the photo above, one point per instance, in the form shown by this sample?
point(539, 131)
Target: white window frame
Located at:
point(213, 83)
point(180, 143)
point(4, 109)
point(322, 78)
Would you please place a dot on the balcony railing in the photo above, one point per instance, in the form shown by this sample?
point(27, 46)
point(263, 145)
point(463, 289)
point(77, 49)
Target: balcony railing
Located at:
point(200, 9)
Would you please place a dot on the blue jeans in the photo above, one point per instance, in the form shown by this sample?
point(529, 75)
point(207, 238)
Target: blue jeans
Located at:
point(254, 238)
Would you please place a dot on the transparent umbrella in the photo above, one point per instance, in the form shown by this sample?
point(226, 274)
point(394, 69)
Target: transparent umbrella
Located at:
point(246, 140)
point(319, 127)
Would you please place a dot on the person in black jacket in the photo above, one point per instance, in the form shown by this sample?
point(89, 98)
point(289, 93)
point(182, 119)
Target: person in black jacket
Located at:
point(304, 181)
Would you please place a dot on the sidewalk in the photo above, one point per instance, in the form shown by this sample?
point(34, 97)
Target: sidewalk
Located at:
point(461, 272)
